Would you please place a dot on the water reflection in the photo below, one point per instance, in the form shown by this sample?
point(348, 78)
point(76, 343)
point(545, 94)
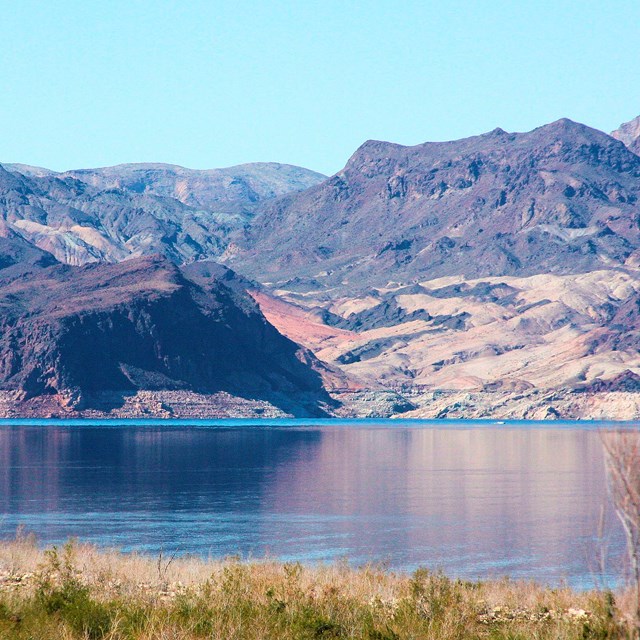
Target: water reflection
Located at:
point(473, 501)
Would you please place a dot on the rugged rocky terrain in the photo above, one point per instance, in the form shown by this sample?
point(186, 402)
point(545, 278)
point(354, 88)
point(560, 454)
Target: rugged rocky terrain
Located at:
point(496, 276)
point(492, 347)
point(499, 279)
point(559, 199)
point(111, 214)
point(86, 338)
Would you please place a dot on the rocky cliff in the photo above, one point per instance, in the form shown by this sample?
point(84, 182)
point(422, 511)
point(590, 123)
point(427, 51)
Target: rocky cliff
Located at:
point(143, 324)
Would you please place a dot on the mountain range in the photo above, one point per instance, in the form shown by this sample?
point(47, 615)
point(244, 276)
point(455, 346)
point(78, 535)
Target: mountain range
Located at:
point(495, 276)
point(560, 199)
point(115, 213)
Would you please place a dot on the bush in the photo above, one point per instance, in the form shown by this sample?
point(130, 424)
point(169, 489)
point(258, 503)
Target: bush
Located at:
point(61, 593)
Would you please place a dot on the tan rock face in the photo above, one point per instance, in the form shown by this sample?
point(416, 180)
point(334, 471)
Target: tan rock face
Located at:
point(541, 332)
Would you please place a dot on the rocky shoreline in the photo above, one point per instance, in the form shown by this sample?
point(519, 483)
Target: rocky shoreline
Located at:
point(534, 404)
point(160, 404)
point(410, 403)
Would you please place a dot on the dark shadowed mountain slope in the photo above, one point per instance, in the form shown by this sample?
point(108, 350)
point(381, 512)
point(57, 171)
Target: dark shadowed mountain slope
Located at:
point(142, 324)
point(629, 133)
point(107, 215)
point(19, 256)
point(560, 199)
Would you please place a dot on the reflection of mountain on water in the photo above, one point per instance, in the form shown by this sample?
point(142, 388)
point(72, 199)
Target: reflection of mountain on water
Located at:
point(30, 460)
point(114, 469)
point(468, 500)
point(477, 501)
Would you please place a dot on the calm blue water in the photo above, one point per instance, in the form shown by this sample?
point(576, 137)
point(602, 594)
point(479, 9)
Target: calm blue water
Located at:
point(475, 499)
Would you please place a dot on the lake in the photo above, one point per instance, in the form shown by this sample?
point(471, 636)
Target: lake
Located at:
point(475, 499)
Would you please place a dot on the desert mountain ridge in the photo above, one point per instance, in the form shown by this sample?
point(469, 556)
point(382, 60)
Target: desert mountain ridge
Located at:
point(559, 199)
point(114, 213)
point(498, 275)
point(205, 188)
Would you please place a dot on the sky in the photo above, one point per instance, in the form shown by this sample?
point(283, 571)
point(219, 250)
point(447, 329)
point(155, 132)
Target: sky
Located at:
point(214, 83)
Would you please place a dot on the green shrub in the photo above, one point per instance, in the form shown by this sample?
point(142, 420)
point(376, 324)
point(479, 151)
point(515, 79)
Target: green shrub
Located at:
point(60, 592)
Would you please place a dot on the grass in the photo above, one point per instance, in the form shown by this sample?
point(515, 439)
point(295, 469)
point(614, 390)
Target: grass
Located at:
point(81, 592)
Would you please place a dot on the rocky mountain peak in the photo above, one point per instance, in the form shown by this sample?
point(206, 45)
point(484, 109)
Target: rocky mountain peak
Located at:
point(496, 133)
point(494, 204)
point(629, 134)
point(143, 323)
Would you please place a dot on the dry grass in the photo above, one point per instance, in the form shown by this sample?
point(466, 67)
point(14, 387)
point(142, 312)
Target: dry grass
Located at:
point(80, 592)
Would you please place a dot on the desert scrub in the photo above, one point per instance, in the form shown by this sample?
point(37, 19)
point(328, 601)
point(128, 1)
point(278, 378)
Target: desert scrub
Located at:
point(79, 592)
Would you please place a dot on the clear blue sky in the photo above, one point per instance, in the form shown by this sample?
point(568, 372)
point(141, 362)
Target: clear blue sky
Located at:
point(214, 83)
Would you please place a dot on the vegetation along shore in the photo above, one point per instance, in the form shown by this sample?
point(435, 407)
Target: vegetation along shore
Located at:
point(81, 592)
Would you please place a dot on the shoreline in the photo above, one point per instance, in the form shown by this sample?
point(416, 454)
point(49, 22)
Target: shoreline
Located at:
point(79, 591)
point(410, 403)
